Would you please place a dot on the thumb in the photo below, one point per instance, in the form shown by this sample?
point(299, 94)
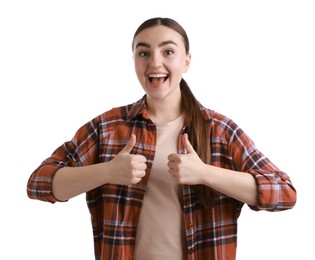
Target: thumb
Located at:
point(130, 144)
point(187, 145)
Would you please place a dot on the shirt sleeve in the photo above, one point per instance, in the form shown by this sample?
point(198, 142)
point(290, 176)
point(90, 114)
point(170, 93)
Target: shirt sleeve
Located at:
point(275, 189)
point(80, 151)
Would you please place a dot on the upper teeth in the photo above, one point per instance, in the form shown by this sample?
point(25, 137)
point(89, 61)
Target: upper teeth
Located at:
point(158, 75)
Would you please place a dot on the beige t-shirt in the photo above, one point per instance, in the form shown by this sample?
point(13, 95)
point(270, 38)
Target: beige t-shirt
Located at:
point(160, 233)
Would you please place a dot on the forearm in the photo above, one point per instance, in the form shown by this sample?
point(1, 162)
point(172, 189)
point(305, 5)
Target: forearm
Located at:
point(69, 182)
point(238, 185)
point(124, 169)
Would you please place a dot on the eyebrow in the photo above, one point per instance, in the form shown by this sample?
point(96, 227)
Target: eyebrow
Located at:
point(143, 44)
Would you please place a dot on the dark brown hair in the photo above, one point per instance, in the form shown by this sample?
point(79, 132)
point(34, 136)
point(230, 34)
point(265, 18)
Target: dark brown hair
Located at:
point(197, 129)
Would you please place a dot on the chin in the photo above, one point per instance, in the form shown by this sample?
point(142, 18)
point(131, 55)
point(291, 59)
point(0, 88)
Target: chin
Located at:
point(156, 96)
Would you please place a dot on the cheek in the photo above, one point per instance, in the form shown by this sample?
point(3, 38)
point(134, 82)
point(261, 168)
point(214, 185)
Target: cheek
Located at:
point(177, 71)
point(138, 70)
point(140, 66)
point(140, 75)
point(179, 65)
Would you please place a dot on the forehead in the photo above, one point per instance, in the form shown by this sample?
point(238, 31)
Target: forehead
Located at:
point(157, 34)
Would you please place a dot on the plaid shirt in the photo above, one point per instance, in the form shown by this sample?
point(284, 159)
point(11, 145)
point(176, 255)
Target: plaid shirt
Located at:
point(115, 209)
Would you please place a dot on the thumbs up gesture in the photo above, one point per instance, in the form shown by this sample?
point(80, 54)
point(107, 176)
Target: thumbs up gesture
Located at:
point(127, 168)
point(186, 168)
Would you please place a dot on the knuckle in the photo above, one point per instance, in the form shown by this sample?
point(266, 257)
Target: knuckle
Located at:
point(135, 180)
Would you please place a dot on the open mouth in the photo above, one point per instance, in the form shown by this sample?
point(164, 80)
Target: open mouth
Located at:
point(158, 78)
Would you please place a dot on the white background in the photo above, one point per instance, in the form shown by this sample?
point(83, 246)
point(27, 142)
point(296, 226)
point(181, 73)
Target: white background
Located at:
point(64, 62)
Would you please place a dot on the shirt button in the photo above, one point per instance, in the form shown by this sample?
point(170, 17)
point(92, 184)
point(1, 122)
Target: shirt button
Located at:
point(190, 225)
point(187, 204)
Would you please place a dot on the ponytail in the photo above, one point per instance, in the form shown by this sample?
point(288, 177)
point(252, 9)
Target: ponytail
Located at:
point(198, 134)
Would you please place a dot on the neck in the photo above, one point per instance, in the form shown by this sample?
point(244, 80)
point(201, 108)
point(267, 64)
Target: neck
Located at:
point(164, 111)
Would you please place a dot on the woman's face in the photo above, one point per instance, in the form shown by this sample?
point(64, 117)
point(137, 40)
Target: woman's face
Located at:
point(160, 60)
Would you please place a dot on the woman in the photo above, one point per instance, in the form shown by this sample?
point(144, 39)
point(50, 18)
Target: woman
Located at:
point(165, 177)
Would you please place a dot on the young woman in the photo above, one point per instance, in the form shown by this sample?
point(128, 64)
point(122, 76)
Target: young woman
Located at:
point(165, 177)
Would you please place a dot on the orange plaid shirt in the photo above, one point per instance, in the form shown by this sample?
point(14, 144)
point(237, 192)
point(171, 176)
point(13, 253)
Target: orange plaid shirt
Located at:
point(115, 209)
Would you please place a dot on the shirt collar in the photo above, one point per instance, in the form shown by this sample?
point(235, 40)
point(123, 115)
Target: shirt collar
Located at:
point(138, 108)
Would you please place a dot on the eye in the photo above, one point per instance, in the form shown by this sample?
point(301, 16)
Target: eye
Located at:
point(143, 54)
point(169, 52)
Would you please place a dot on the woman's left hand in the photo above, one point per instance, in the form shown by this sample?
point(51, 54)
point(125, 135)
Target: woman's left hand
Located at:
point(186, 168)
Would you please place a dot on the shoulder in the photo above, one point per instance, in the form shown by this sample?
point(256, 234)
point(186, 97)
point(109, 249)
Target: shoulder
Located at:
point(119, 112)
point(217, 119)
point(224, 128)
point(118, 115)
point(115, 113)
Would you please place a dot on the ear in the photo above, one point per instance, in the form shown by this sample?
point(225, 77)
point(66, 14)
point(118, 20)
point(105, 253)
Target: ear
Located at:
point(187, 62)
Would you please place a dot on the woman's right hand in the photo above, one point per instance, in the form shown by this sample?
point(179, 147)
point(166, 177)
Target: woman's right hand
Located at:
point(127, 168)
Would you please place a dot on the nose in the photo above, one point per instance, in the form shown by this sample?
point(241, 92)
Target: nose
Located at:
point(156, 60)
